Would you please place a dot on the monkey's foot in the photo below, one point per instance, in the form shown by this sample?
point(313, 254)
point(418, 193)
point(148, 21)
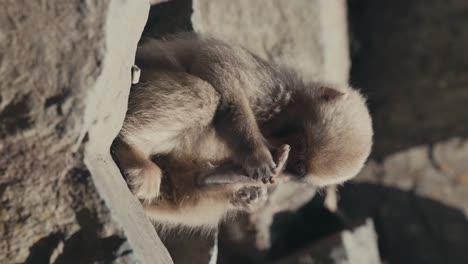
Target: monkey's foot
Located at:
point(144, 182)
point(249, 198)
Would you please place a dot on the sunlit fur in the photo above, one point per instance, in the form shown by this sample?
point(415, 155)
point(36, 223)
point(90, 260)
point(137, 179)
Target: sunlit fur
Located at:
point(202, 102)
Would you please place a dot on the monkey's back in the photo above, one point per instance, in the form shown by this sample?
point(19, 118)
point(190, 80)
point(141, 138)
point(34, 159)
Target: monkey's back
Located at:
point(173, 112)
point(170, 117)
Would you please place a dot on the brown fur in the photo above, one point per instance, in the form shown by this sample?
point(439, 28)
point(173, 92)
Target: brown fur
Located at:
point(202, 102)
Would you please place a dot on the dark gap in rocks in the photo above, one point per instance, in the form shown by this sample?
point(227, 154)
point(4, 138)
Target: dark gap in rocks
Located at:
point(86, 246)
point(41, 251)
point(293, 231)
point(89, 244)
point(57, 101)
point(411, 229)
point(169, 18)
point(312, 228)
point(116, 160)
point(16, 116)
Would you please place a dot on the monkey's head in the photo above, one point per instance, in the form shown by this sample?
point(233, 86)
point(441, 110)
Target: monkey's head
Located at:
point(330, 133)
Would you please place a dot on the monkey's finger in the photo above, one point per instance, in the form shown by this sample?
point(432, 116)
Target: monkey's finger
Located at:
point(282, 156)
point(226, 178)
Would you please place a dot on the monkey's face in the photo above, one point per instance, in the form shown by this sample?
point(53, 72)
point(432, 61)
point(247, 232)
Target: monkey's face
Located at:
point(331, 140)
point(339, 140)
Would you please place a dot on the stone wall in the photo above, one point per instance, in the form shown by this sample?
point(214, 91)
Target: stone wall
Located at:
point(65, 77)
point(409, 59)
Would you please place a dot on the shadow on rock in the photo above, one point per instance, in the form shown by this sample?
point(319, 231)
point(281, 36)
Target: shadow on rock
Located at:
point(411, 229)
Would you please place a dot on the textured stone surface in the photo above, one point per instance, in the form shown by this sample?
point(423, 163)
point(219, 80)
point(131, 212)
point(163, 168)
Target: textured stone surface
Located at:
point(409, 59)
point(360, 244)
point(192, 247)
point(307, 35)
point(356, 246)
point(411, 62)
point(419, 200)
point(286, 32)
point(169, 18)
point(438, 173)
point(65, 71)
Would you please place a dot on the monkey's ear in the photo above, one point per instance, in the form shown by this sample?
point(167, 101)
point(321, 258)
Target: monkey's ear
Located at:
point(328, 94)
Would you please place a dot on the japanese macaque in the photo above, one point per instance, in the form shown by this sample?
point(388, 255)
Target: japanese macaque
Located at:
point(206, 119)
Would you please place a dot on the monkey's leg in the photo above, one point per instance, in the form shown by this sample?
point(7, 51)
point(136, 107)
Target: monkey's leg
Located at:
point(235, 120)
point(143, 176)
point(236, 124)
point(166, 113)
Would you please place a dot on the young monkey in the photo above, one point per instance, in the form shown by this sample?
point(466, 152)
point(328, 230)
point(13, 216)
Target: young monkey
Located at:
point(202, 101)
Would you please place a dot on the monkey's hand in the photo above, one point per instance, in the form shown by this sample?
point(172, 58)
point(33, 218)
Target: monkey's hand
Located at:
point(259, 164)
point(249, 198)
point(229, 175)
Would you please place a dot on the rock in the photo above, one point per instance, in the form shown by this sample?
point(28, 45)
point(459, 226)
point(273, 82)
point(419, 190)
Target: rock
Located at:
point(418, 200)
point(285, 198)
point(168, 18)
point(450, 158)
point(437, 173)
point(414, 161)
point(410, 66)
point(360, 244)
point(356, 246)
point(309, 36)
point(65, 82)
point(192, 247)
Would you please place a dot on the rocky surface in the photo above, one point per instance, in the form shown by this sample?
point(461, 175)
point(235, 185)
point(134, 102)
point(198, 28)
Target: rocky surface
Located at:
point(354, 246)
point(408, 60)
point(192, 247)
point(65, 71)
point(309, 36)
point(418, 199)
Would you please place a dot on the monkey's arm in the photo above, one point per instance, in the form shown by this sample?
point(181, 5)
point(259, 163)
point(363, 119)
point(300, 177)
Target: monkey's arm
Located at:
point(231, 177)
point(236, 124)
point(235, 120)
